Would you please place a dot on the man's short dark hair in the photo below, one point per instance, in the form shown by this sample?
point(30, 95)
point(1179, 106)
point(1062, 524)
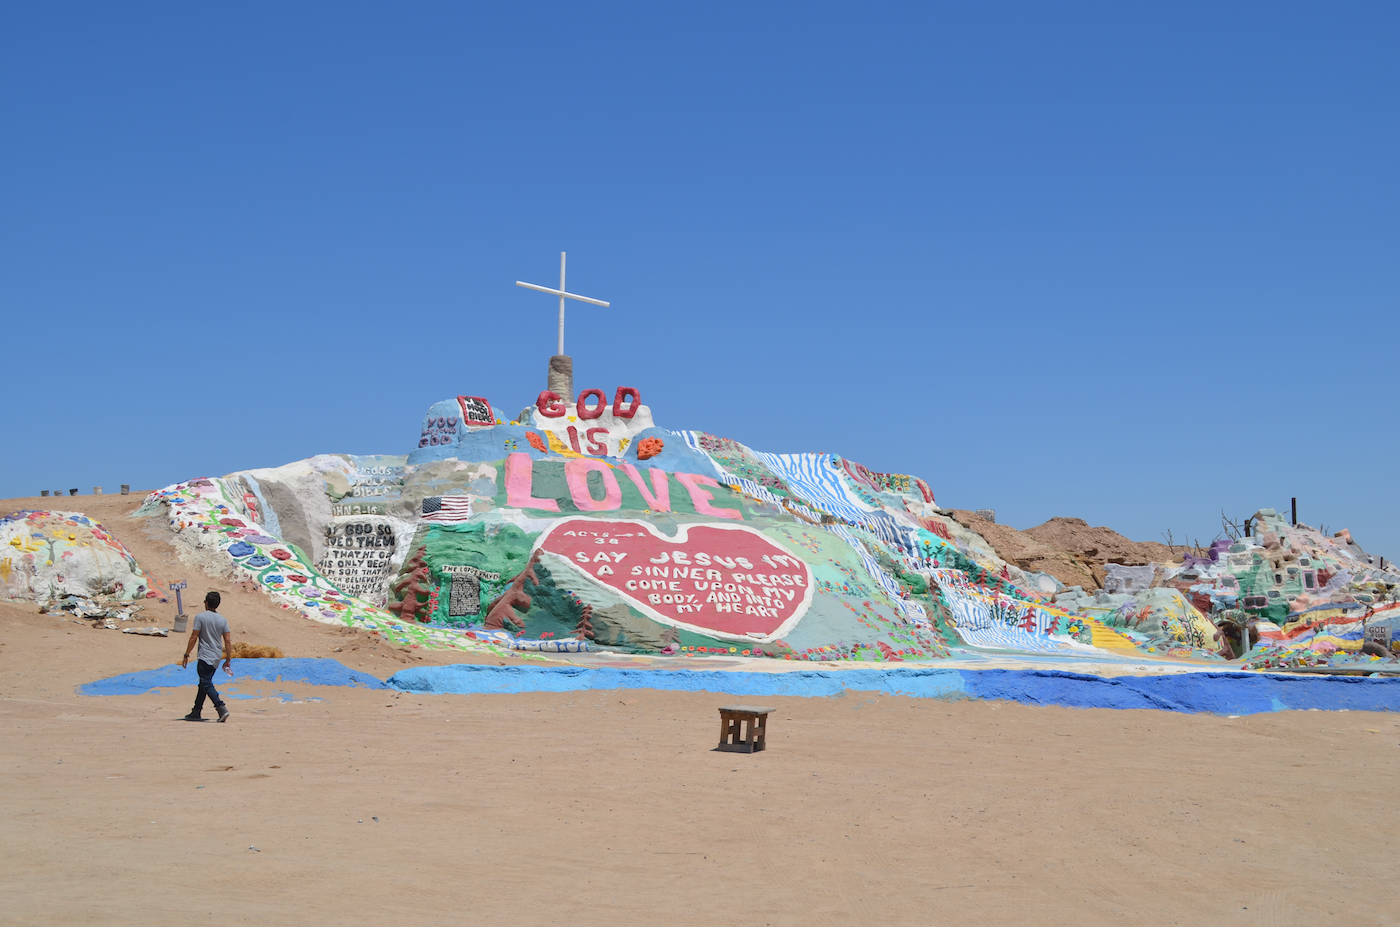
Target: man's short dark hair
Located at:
point(212, 600)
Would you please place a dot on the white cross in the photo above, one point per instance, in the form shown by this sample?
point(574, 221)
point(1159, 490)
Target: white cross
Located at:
point(562, 296)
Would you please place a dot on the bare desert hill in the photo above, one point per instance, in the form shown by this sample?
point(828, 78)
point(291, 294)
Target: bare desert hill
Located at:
point(1069, 549)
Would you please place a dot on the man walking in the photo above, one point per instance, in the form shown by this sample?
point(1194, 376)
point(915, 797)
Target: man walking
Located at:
point(209, 628)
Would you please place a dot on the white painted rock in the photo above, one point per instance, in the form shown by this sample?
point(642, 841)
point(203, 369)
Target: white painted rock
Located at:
point(46, 555)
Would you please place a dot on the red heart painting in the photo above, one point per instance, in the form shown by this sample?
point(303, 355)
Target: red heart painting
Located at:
point(727, 581)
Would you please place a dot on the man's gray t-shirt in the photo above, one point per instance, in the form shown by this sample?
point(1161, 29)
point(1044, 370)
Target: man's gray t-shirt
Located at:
point(211, 627)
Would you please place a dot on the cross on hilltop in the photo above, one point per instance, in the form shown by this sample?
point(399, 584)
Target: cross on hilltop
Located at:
point(561, 366)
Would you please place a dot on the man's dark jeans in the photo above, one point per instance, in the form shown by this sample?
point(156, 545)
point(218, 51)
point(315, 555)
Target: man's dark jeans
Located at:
point(206, 687)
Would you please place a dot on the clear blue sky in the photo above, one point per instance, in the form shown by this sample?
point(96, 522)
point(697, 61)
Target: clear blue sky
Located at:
point(1135, 263)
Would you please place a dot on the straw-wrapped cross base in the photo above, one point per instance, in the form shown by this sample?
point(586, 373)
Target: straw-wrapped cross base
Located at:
point(732, 723)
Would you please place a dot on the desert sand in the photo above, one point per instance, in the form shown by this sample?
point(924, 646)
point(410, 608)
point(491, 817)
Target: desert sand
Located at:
point(320, 805)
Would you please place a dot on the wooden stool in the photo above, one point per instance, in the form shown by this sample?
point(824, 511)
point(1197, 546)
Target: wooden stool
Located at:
point(732, 736)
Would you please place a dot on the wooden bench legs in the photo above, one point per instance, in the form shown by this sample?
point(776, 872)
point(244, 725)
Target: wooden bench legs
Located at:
point(742, 731)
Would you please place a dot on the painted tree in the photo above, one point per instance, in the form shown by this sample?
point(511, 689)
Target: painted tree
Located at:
point(584, 631)
point(502, 611)
point(888, 652)
point(413, 582)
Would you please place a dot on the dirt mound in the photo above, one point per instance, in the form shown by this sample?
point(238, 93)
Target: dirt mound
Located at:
point(1066, 548)
point(1030, 553)
point(1100, 545)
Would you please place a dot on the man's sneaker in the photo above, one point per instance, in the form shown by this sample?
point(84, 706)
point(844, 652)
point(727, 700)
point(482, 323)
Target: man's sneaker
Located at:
point(193, 716)
point(223, 715)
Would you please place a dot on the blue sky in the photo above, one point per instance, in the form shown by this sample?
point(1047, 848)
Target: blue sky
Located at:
point(1134, 263)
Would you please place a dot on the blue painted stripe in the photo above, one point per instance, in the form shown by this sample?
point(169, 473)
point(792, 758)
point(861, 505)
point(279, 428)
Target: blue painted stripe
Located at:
point(912, 610)
point(472, 678)
point(314, 672)
point(1213, 693)
point(813, 477)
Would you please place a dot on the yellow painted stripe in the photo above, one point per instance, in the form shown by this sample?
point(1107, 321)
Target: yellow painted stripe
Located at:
point(1109, 639)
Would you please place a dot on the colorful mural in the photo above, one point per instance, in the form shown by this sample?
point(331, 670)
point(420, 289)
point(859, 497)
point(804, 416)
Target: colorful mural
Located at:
point(587, 527)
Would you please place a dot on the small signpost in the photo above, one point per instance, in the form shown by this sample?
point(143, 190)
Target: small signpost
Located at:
point(179, 606)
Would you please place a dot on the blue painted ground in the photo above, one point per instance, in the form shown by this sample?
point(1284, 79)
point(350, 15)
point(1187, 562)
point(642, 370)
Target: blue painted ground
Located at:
point(1213, 693)
point(313, 672)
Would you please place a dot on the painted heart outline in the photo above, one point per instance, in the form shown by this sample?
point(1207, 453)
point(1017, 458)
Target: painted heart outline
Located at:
point(725, 581)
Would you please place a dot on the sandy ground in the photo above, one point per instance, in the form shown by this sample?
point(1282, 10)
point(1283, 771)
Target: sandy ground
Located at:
point(614, 808)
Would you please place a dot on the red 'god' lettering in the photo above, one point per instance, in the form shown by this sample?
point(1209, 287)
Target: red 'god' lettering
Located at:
point(626, 402)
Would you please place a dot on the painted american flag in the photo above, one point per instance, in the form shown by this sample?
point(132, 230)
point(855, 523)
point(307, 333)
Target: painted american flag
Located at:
point(447, 510)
